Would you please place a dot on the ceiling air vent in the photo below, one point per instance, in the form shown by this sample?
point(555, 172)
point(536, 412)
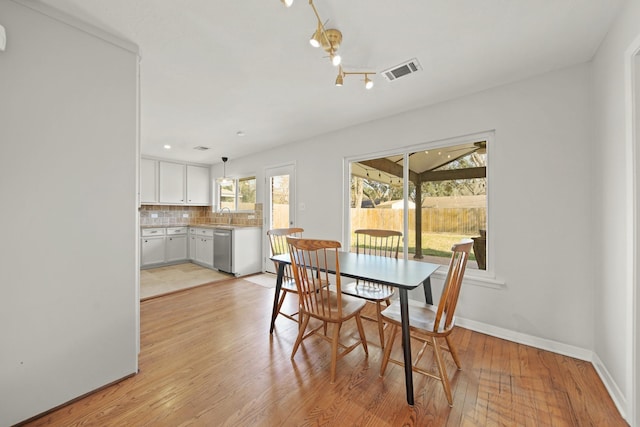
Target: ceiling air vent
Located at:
point(402, 70)
point(201, 148)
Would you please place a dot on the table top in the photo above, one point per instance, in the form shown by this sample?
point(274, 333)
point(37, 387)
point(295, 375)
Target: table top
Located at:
point(400, 273)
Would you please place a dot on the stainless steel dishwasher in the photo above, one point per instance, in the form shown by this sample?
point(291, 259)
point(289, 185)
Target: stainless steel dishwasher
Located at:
point(222, 241)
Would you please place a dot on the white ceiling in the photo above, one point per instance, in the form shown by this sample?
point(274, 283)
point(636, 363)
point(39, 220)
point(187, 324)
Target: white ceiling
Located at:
point(211, 68)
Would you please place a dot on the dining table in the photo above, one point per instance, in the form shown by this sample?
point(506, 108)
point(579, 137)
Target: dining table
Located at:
point(403, 274)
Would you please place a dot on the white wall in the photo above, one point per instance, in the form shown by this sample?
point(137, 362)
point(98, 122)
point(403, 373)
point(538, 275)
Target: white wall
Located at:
point(68, 167)
point(613, 230)
point(541, 169)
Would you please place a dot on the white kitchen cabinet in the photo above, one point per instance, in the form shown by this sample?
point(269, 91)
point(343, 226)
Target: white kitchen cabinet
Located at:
point(201, 246)
point(172, 182)
point(246, 247)
point(152, 246)
point(204, 251)
point(193, 238)
point(176, 244)
point(148, 181)
point(198, 185)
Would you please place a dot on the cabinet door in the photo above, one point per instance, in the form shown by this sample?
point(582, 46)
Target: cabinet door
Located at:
point(172, 177)
point(198, 185)
point(193, 238)
point(148, 181)
point(151, 250)
point(176, 248)
point(204, 251)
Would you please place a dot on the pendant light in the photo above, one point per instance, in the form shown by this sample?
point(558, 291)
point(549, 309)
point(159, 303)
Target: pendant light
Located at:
point(224, 180)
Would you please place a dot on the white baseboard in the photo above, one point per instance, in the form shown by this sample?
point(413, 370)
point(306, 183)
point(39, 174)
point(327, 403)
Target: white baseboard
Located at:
point(556, 347)
point(611, 386)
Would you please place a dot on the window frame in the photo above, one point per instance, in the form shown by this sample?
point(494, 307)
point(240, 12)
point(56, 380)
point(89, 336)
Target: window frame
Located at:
point(236, 187)
point(486, 278)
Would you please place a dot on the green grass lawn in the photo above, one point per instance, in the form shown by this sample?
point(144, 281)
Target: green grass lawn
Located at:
point(436, 244)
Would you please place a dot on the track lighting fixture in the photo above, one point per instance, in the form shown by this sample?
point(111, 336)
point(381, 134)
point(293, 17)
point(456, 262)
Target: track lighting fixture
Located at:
point(330, 39)
point(368, 83)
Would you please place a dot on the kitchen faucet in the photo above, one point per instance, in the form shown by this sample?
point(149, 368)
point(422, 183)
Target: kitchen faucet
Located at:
point(229, 211)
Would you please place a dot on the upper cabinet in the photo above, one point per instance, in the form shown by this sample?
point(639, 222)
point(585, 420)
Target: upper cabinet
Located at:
point(171, 183)
point(198, 185)
point(172, 180)
point(148, 181)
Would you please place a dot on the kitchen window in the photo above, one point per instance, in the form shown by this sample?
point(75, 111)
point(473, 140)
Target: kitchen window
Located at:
point(237, 194)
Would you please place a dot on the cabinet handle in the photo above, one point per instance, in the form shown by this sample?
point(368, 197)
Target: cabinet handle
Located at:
point(154, 231)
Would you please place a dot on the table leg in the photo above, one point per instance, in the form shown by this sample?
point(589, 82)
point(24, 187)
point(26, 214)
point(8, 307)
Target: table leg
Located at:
point(276, 296)
point(426, 286)
point(406, 344)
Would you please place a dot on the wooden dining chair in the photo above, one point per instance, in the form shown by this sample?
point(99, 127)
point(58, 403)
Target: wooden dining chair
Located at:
point(279, 246)
point(382, 243)
point(321, 302)
point(429, 323)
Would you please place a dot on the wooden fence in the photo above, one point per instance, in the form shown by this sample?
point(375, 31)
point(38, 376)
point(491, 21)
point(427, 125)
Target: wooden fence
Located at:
point(463, 221)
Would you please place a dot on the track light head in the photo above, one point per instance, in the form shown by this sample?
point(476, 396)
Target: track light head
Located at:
point(287, 3)
point(316, 37)
point(335, 59)
point(368, 83)
point(340, 79)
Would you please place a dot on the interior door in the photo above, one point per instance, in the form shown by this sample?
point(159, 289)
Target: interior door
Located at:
point(280, 203)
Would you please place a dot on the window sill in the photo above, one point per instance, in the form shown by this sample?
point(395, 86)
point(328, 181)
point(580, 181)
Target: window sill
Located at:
point(473, 277)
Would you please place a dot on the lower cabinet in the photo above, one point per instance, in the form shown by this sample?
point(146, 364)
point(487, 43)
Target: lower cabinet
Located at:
point(161, 245)
point(193, 238)
point(176, 248)
point(169, 245)
point(152, 250)
point(201, 246)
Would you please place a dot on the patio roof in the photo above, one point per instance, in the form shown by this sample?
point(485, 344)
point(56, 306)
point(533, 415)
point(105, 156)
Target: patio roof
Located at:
point(423, 165)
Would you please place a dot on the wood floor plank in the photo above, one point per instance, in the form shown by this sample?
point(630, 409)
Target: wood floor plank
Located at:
point(207, 359)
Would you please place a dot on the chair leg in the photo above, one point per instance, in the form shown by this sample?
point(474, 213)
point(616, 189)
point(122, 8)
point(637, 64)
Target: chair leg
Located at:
point(302, 326)
point(443, 372)
point(363, 340)
point(380, 323)
point(334, 350)
point(453, 352)
point(284, 294)
point(387, 350)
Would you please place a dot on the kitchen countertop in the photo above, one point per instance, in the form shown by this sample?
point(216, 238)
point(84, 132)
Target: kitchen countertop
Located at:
point(224, 226)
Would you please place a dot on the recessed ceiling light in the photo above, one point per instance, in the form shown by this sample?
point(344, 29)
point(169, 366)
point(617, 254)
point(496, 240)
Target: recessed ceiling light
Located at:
point(167, 147)
point(240, 133)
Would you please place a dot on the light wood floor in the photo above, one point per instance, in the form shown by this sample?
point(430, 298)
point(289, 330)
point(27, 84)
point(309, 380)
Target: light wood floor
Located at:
point(207, 359)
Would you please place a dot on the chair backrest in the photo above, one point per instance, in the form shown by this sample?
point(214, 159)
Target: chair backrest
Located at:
point(308, 258)
point(279, 245)
point(378, 242)
point(452, 284)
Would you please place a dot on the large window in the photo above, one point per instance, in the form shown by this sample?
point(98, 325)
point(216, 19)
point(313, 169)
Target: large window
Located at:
point(438, 200)
point(237, 194)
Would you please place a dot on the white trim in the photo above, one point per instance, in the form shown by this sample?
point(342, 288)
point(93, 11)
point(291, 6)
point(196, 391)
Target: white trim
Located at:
point(79, 25)
point(470, 278)
point(526, 339)
point(631, 102)
point(555, 347)
point(614, 391)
